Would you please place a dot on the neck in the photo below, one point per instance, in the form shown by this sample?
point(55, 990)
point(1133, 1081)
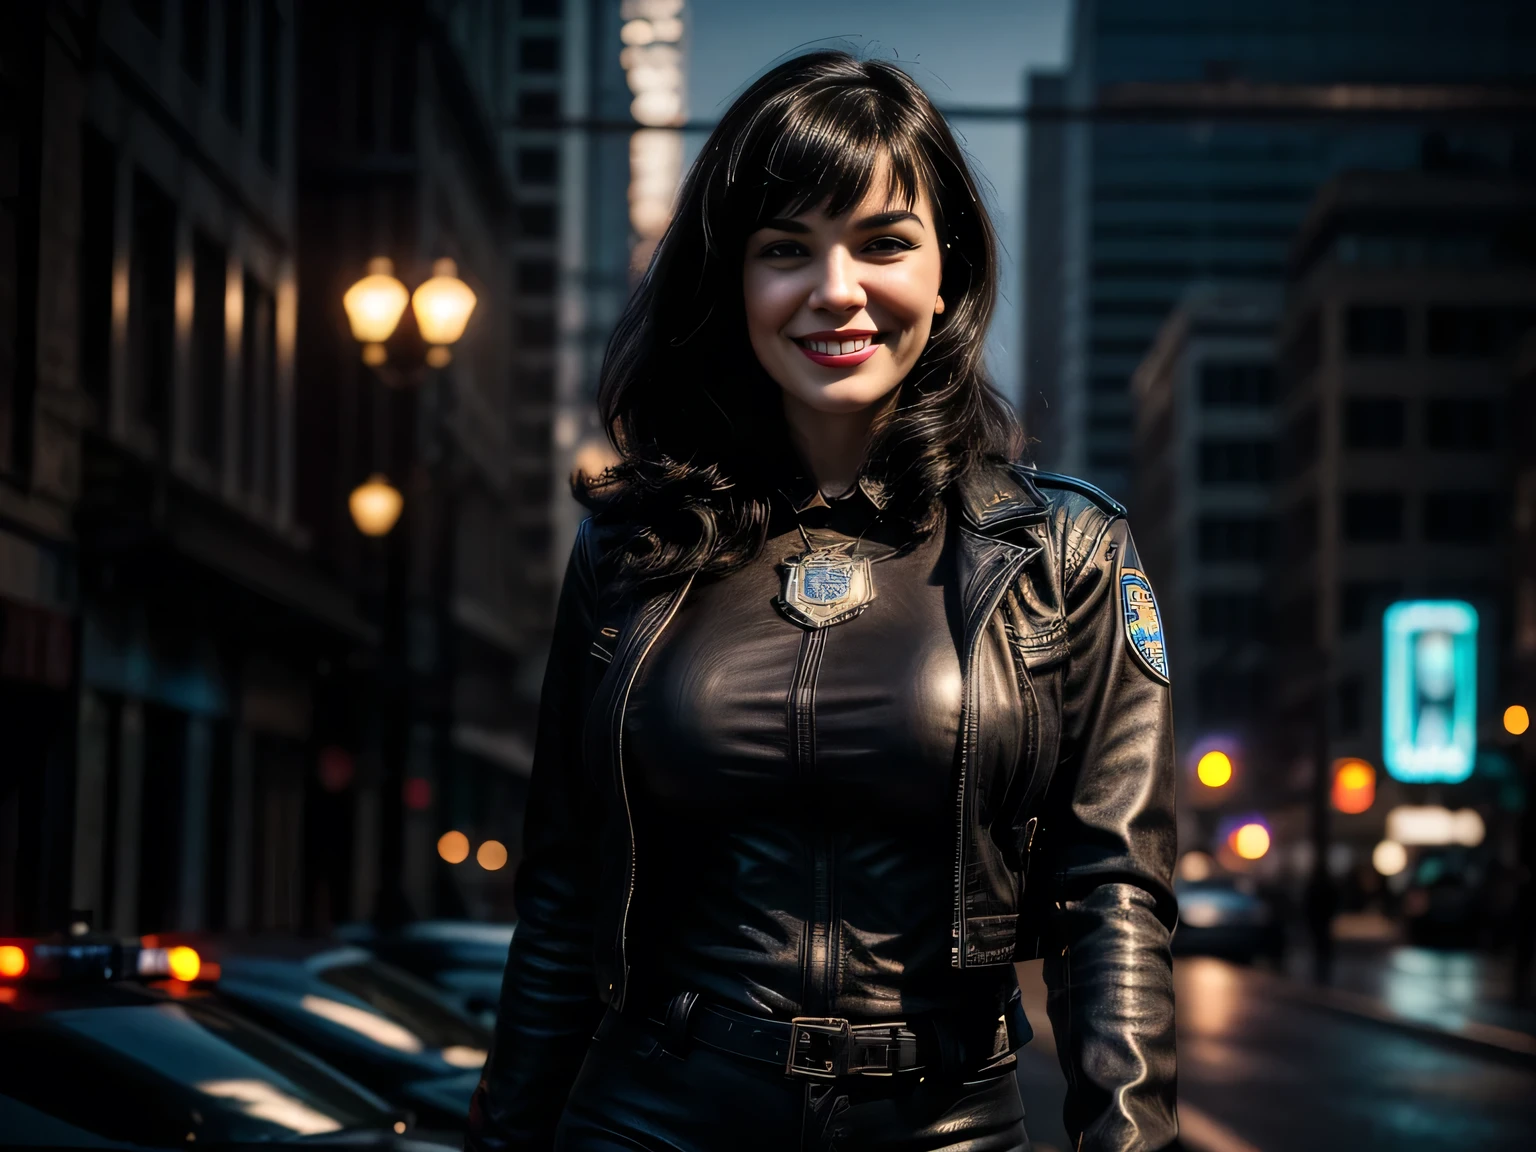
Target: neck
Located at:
point(832, 444)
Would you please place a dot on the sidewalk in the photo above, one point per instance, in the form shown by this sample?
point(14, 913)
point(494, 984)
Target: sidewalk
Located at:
point(1459, 995)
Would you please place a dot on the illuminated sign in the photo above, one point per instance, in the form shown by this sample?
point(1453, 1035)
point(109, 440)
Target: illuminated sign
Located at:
point(1434, 825)
point(1429, 690)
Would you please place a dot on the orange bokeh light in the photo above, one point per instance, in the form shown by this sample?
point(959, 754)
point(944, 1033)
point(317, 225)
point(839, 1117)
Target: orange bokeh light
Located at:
point(13, 961)
point(1354, 786)
point(1250, 842)
point(184, 963)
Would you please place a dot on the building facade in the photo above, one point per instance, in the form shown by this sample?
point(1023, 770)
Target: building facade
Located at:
point(1194, 139)
point(1408, 296)
point(1204, 459)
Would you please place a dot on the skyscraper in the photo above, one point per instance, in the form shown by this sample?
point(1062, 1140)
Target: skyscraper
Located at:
point(1193, 139)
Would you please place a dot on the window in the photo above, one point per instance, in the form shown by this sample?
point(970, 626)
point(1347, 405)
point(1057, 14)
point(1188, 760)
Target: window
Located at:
point(1236, 461)
point(1236, 385)
point(151, 303)
point(1301, 527)
point(1303, 350)
point(1362, 601)
point(1373, 517)
point(1121, 345)
point(535, 276)
point(538, 165)
point(234, 62)
point(258, 356)
point(269, 63)
point(1225, 696)
point(1109, 423)
point(1375, 330)
point(98, 188)
point(1107, 384)
point(538, 105)
point(1373, 422)
point(536, 331)
point(1474, 333)
point(537, 8)
point(536, 221)
point(1349, 693)
point(1230, 616)
point(1459, 425)
point(1233, 538)
point(209, 264)
point(539, 54)
point(194, 40)
point(1301, 439)
point(1459, 517)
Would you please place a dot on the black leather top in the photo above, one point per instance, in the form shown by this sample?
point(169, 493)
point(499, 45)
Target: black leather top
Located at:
point(797, 785)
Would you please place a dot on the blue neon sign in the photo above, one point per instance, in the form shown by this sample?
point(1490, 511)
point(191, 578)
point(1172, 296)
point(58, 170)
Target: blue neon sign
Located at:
point(1429, 691)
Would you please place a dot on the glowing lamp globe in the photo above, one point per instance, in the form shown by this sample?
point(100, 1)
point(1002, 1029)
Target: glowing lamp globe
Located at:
point(442, 306)
point(375, 505)
point(374, 306)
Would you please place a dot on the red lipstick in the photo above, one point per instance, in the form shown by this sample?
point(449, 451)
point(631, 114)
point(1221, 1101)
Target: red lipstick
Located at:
point(818, 346)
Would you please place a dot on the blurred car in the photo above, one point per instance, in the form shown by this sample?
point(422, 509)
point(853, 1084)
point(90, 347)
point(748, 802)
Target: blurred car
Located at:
point(464, 959)
point(393, 1033)
point(1223, 916)
point(91, 1056)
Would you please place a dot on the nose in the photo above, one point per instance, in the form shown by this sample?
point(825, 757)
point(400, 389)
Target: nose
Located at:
point(838, 288)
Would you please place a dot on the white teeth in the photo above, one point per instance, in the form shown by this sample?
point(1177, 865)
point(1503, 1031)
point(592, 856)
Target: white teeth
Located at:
point(842, 348)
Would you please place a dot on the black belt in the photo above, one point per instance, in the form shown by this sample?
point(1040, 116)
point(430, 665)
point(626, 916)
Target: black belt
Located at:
point(823, 1047)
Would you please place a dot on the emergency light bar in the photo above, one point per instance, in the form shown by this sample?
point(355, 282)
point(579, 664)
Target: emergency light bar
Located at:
point(84, 959)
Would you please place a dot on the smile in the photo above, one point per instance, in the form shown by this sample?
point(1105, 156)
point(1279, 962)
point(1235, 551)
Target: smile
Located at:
point(842, 349)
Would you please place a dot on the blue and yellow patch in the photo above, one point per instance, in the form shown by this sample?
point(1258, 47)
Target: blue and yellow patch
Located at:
point(1143, 624)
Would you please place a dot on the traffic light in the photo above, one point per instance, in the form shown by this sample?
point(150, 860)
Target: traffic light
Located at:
point(1354, 786)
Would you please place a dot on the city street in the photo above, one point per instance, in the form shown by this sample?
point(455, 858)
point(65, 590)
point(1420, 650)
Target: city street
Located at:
point(1262, 1069)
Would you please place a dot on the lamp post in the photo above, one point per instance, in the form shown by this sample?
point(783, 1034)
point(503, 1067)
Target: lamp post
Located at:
point(400, 356)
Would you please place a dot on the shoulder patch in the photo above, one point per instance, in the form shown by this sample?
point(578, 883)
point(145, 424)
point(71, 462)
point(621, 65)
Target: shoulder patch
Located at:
point(1103, 500)
point(1143, 624)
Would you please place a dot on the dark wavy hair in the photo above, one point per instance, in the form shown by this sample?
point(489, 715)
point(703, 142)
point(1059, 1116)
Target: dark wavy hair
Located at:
point(697, 422)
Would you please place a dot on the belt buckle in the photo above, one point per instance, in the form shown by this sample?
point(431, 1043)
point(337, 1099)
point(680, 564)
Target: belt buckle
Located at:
point(818, 1047)
point(882, 1049)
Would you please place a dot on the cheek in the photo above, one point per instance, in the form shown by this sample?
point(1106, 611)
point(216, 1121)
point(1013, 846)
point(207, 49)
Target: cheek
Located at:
point(770, 301)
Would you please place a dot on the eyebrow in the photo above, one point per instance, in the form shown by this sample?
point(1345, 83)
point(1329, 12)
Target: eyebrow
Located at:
point(878, 220)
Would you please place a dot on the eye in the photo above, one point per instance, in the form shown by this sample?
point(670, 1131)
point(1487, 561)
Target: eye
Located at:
point(889, 244)
point(783, 250)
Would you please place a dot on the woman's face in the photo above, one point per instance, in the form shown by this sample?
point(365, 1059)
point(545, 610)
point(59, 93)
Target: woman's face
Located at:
point(839, 308)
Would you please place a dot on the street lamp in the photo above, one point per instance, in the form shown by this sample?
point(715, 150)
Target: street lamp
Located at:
point(442, 307)
point(375, 505)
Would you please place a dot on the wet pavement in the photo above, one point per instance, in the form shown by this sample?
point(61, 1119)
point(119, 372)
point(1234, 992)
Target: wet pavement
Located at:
point(1263, 1069)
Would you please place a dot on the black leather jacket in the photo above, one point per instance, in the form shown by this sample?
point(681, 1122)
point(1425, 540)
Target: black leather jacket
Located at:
point(1066, 853)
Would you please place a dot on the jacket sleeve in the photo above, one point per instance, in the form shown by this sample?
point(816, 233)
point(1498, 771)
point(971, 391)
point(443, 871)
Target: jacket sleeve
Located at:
point(549, 1004)
point(1108, 970)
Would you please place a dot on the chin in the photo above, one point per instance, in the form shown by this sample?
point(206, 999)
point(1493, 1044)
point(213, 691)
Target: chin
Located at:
point(841, 396)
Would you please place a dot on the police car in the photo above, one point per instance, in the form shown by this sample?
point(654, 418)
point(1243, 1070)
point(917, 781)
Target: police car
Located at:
point(462, 959)
point(392, 1033)
point(124, 1044)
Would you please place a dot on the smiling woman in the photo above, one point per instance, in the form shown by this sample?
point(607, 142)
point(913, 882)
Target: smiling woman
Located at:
point(845, 711)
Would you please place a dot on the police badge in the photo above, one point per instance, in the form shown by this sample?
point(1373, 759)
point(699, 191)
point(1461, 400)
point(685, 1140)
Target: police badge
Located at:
point(1143, 624)
point(825, 586)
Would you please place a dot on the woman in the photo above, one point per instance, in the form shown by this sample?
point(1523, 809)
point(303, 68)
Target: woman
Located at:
point(845, 713)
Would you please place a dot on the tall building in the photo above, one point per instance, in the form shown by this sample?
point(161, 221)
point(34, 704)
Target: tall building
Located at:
point(1408, 296)
point(1196, 136)
point(1204, 459)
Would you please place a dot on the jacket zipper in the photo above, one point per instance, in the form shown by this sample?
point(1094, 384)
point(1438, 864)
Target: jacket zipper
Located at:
point(988, 605)
point(618, 755)
point(819, 984)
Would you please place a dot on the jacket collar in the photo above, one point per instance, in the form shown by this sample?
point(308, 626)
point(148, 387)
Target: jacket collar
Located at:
point(996, 498)
point(804, 493)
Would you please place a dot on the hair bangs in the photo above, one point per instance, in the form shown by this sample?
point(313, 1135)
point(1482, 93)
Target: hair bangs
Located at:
point(823, 148)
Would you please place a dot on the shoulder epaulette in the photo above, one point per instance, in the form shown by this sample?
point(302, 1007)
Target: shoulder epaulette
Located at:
point(1101, 499)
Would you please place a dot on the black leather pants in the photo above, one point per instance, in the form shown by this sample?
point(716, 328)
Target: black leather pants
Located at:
point(634, 1095)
